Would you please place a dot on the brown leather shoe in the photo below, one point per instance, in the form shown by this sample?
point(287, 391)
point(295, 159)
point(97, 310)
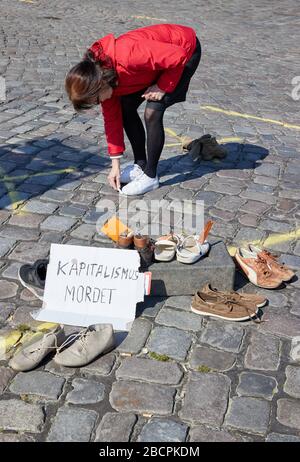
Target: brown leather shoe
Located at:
point(247, 299)
point(210, 305)
point(140, 241)
point(282, 271)
point(257, 270)
point(125, 241)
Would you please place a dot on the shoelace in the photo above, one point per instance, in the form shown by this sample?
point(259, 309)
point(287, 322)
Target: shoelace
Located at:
point(263, 266)
point(81, 336)
point(268, 255)
point(231, 305)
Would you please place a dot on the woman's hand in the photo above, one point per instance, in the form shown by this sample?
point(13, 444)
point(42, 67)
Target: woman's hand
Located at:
point(154, 93)
point(114, 175)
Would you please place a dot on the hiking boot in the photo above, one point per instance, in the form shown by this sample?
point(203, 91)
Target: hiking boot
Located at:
point(205, 148)
point(32, 352)
point(88, 345)
point(209, 305)
point(282, 271)
point(33, 277)
point(248, 299)
point(257, 270)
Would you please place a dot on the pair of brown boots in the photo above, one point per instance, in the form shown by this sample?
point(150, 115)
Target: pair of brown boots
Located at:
point(139, 242)
point(204, 148)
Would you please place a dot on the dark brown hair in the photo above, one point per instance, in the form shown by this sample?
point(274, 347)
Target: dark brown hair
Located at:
point(85, 81)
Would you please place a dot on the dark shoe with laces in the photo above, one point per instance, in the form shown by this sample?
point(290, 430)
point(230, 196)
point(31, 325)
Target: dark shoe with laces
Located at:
point(205, 148)
point(33, 277)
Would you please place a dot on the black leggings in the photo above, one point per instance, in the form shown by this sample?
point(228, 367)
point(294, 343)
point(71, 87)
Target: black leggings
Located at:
point(154, 113)
point(135, 132)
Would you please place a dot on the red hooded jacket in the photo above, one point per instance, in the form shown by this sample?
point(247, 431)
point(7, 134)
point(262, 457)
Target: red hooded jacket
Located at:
point(142, 57)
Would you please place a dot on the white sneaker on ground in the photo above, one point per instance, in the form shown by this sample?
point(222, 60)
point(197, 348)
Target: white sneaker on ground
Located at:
point(131, 172)
point(140, 185)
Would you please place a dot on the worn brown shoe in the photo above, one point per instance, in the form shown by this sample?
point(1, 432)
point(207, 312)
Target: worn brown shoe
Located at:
point(125, 241)
point(205, 148)
point(210, 305)
point(282, 271)
point(257, 270)
point(247, 299)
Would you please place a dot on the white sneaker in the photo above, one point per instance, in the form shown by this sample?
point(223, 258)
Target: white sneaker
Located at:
point(131, 172)
point(140, 185)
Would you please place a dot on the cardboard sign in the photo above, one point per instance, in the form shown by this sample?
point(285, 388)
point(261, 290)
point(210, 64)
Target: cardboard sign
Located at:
point(92, 285)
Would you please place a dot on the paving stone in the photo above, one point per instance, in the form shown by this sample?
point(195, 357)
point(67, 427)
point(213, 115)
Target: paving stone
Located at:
point(86, 392)
point(93, 215)
point(7, 289)
point(102, 366)
point(6, 244)
point(56, 369)
point(292, 383)
point(214, 359)
point(38, 383)
point(115, 427)
point(257, 208)
point(6, 202)
point(248, 235)
point(150, 306)
point(51, 236)
point(226, 337)
point(248, 220)
point(39, 207)
point(4, 215)
point(234, 204)
point(72, 425)
point(282, 438)
point(136, 338)
point(6, 375)
point(6, 310)
point(249, 415)
point(201, 434)
point(268, 169)
point(180, 319)
point(283, 325)
point(263, 353)
point(12, 271)
point(209, 197)
point(257, 385)
point(288, 413)
point(205, 398)
point(84, 232)
point(164, 431)
point(182, 302)
point(20, 234)
point(265, 180)
point(71, 211)
point(19, 416)
point(15, 438)
point(165, 373)
point(57, 223)
point(274, 298)
point(84, 197)
point(127, 396)
point(26, 220)
point(290, 260)
point(57, 196)
point(169, 341)
point(29, 252)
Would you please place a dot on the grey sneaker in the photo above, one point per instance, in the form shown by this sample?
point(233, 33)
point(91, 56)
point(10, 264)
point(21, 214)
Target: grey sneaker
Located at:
point(89, 343)
point(31, 353)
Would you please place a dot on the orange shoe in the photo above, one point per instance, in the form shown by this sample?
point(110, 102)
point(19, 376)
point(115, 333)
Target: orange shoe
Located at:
point(257, 270)
point(285, 273)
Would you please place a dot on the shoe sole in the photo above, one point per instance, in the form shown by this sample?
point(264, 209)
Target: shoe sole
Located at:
point(140, 194)
point(183, 260)
point(32, 289)
point(204, 313)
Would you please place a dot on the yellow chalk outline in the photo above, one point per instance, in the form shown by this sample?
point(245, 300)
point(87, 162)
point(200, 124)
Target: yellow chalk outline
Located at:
point(183, 139)
point(249, 116)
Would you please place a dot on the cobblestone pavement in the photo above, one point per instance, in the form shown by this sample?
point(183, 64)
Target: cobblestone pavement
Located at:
point(223, 381)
